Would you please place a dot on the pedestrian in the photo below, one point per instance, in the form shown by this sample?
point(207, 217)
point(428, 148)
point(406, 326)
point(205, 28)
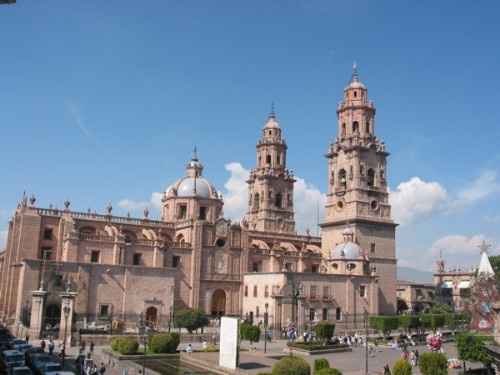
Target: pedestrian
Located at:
point(92, 347)
point(42, 345)
point(51, 346)
point(387, 370)
point(417, 354)
point(412, 359)
point(102, 370)
point(27, 339)
point(189, 349)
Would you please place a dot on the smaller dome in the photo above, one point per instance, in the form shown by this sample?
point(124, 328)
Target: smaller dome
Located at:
point(356, 85)
point(272, 123)
point(346, 250)
point(190, 186)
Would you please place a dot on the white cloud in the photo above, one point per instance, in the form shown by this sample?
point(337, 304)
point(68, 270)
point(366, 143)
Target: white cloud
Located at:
point(309, 205)
point(416, 198)
point(307, 198)
point(135, 207)
point(486, 184)
point(235, 199)
point(457, 244)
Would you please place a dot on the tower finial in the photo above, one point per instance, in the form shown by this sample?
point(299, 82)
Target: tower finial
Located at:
point(195, 153)
point(355, 74)
point(272, 113)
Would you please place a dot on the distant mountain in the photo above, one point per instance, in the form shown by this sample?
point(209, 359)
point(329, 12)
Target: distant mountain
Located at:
point(412, 274)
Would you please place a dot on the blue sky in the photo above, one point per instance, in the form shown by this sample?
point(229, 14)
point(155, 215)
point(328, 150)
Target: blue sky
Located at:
point(103, 101)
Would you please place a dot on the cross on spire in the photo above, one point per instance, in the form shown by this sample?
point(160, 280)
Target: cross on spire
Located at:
point(272, 113)
point(355, 74)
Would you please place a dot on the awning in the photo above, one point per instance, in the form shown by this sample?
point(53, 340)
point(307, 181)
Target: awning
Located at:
point(447, 284)
point(464, 285)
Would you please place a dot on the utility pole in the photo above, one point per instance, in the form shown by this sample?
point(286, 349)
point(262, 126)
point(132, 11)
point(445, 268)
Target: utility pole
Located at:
point(366, 341)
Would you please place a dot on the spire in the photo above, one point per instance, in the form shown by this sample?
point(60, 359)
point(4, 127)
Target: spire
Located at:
point(355, 74)
point(194, 167)
point(195, 154)
point(485, 270)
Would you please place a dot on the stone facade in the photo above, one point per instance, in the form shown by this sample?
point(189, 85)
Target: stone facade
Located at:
point(453, 285)
point(415, 297)
point(122, 268)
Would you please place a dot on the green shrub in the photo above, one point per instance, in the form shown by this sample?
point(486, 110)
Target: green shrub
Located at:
point(291, 366)
point(401, 367)
point(324, 330)
point(164, 342)
point(328, 371)
point(433, 364)
point(125, 345)
point(320, 364)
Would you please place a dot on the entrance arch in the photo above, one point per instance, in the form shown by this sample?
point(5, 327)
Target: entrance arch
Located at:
point(51, 320)
point(218, 307)
point(152, 315)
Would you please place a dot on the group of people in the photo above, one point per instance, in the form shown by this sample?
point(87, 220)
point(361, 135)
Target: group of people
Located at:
point(50, 346)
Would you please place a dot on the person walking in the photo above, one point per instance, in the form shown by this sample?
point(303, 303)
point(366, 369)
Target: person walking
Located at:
point(91, 347)
point(51, 346)
point(417, 355)
point(42, 345)
point(102, 369)
point(387, 370)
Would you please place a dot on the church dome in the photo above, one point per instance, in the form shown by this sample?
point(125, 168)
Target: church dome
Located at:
point(193, 184)
point(346, 250)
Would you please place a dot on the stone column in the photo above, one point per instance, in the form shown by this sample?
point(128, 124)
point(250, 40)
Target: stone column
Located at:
point(300, 316)
point(37, 307)
point(66, 324)
point(156, 255)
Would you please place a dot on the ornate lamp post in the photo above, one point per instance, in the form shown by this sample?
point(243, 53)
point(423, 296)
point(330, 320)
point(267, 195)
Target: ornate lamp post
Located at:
point(266, 318)
point(365, 316)
point(66, 311)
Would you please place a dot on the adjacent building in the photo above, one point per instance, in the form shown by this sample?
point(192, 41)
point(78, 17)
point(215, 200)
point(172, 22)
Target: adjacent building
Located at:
point(119, 268)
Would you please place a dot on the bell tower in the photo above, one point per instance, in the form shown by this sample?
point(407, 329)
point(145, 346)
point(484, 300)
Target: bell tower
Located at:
point(270, 184)
point(358, 195)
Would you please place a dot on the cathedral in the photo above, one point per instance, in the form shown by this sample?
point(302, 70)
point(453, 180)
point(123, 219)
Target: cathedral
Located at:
point(99, 267)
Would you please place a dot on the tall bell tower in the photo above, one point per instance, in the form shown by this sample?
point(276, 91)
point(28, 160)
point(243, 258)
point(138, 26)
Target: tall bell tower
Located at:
point(270, 185)
point(358, 196)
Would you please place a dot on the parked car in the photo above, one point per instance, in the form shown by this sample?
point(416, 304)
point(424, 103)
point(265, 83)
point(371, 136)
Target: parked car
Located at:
point(20, 371)
point(50, 367)
point(15, 342)
point(23, 348)
point(38, 361)
point(60, 373)
point(28, 354)
point(12, 358)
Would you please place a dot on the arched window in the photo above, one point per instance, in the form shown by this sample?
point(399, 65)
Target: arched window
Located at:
point(246, 290)
point(355, 127)
point(268, 159)
point(256, 200)
point(338, 313)
point(278, 159)
point(278, 199)
point(180, 239)
point(343, 130)
point(266, 291)
point(355, 94)
point(371, 177)
point(255, 290)
point(367, 126)
point(342, 178)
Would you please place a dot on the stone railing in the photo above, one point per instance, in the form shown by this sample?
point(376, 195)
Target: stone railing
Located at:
point(95, 237)
point(220, 277)
point(101, 217)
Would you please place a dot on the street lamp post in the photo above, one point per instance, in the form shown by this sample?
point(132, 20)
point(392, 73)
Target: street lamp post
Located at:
point(66, 311)
point(365, 316)
point(141, 328)
point(266, 318)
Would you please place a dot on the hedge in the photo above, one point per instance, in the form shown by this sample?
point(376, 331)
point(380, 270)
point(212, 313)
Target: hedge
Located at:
point(249, 332)
point(125, 345)
point(384, 324)
point(432, 321)
point(291, 366)
point(164, 342)
point(324, 331)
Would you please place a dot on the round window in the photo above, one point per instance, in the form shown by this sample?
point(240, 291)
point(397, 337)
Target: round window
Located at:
point(340, 205)
point(374, 205)
point(220, 242)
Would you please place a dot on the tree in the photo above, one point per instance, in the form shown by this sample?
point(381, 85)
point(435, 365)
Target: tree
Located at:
point(401, 367)
point(164, 342)
point(249, 332)
point(384, 324)
point(470, 348)
point(320, 364)
point(433, 364)
point(191, 319)
point(495, 263)
point(324, 331)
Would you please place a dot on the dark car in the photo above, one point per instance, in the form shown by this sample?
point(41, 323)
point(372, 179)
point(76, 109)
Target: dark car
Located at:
point(12, 358)
point(15, 342)
point(28, 354)
point(38, 361)
point(21, 371)
point(23, 348)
